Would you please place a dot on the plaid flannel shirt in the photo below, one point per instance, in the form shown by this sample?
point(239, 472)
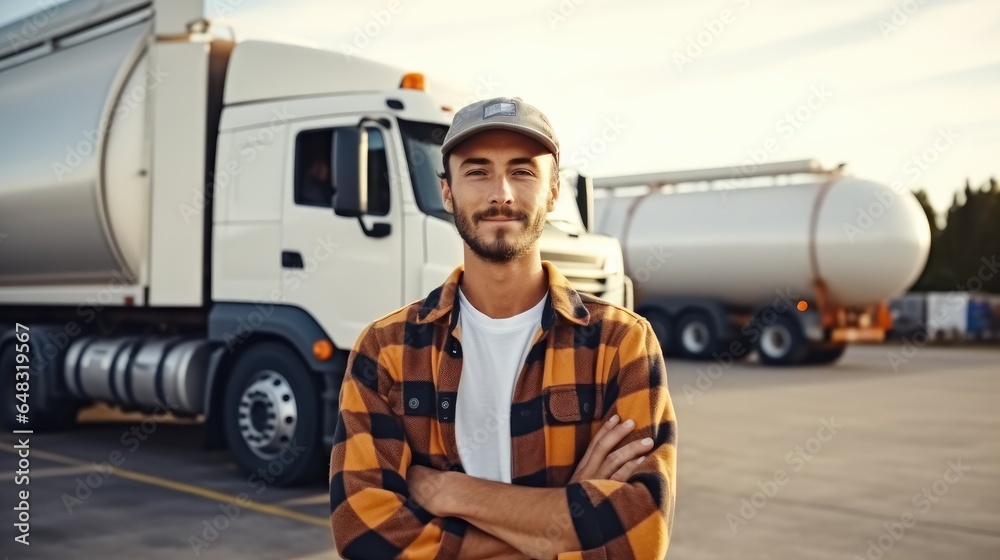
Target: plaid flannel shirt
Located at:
point(589, 360)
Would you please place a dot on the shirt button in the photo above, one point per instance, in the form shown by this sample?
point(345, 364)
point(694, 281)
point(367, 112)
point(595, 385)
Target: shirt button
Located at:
point(414, 403)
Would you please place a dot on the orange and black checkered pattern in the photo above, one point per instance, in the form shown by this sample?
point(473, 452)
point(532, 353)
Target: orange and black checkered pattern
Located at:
point(589, 360)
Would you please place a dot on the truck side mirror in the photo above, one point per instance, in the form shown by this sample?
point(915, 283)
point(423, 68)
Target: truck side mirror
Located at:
point(349, 158)
point(585, 200)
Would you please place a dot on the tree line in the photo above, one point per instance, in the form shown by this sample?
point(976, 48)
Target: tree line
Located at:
point(965, 241)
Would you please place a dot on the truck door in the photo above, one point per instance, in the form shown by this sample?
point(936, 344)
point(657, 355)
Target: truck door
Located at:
point(344, 276)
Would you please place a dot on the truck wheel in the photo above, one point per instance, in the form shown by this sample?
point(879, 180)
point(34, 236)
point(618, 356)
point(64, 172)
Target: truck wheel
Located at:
point(7, 391)
point(825, 354)
point(272, 416)
point(47, 417)
point(782, 342)
point(696, 336)
point(660, 322)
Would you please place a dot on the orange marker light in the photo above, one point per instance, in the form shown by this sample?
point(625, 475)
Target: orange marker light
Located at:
point(413, 80)
point(322, 349)
point(803, 305)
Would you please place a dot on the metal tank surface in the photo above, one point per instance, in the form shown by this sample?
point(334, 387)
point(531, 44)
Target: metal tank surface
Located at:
point(73, 181)
point(864, 240)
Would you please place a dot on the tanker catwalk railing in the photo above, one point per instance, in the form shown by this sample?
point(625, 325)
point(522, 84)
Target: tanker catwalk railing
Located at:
point(712, 174)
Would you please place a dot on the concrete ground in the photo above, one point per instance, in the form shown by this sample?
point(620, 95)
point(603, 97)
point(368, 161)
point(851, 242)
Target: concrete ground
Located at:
point(891, 430)
point(892, 453)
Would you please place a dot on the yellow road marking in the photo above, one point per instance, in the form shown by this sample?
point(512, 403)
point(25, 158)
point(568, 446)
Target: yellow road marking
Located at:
point(307, 500)
point(186, 488)
point(49, 472)
point(330, 555)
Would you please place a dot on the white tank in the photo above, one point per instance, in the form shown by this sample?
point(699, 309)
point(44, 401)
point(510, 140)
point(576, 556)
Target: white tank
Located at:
point(740, 246)
point(74, 188)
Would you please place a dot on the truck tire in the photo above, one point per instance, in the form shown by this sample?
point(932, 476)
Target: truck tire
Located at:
point(782, 342)
point(7, 391)
point(271, 416)
point(42, 416)
point(825, 354)
point(696, 336)
point(660, 321)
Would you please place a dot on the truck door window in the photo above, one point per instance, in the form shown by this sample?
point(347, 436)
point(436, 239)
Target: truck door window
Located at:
point(313, 177)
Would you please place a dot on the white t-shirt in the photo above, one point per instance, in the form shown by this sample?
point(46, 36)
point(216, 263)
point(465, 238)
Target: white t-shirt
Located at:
point(493, 353)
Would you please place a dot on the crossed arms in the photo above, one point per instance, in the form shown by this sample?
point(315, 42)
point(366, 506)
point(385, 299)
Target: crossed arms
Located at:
point(618, 504)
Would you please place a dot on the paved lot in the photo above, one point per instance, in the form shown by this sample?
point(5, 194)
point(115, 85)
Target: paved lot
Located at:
point(896, 433)
point(800, 463)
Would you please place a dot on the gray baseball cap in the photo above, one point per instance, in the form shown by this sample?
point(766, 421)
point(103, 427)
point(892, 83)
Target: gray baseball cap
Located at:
point(509, 113)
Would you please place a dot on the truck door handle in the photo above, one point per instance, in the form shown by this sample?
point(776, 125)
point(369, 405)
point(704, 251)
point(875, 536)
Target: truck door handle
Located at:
point(291, 259)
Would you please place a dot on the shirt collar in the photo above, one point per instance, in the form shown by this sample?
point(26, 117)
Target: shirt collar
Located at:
point(563, 299)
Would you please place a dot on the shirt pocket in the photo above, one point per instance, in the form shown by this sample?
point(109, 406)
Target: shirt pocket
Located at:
point(570, 404)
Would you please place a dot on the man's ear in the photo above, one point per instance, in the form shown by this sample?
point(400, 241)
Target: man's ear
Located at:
point(553, 195)
point(449, 204)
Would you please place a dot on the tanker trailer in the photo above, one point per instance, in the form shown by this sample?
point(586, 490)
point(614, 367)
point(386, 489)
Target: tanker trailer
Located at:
point(794, 272)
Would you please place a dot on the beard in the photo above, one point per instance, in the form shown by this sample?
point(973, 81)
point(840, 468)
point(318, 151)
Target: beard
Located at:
point(504, 245)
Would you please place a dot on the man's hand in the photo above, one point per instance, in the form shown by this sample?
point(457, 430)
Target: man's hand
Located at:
point(427, 488)
point(599, 462)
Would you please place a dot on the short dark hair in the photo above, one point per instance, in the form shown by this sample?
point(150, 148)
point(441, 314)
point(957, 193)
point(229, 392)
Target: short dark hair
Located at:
point(446, 174)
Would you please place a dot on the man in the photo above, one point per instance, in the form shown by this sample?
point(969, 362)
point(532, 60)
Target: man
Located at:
point(559, 442)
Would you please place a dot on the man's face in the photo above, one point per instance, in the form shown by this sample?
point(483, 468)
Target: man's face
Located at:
point(501, 189)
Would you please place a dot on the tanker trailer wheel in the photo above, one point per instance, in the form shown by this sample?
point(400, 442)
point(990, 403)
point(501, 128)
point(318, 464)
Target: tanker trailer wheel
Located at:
point(8, 397)
point(696, 335)
point(825, 354)
point(272, 416)
point(782, 342)
point(662, 328)
point(43, 417)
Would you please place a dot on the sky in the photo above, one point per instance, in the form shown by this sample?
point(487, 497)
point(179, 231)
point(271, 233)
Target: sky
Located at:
point(906, 93)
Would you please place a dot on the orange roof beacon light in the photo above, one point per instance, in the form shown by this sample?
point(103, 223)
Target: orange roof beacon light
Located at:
point(322, 349)
point(803, 305)
point(413, 80)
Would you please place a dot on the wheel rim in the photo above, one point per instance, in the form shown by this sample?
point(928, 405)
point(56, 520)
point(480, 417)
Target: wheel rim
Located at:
point(776, 341)
point(267, 414)
point(695, 337)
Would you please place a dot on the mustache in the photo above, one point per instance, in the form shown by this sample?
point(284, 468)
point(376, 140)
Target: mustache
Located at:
point(498, 212)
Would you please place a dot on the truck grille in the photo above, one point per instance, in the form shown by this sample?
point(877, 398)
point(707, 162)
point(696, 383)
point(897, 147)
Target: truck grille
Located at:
point(584, 272)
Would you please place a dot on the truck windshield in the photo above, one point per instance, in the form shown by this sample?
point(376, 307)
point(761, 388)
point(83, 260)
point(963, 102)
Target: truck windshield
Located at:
point(566, 214)
point(422, 143)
